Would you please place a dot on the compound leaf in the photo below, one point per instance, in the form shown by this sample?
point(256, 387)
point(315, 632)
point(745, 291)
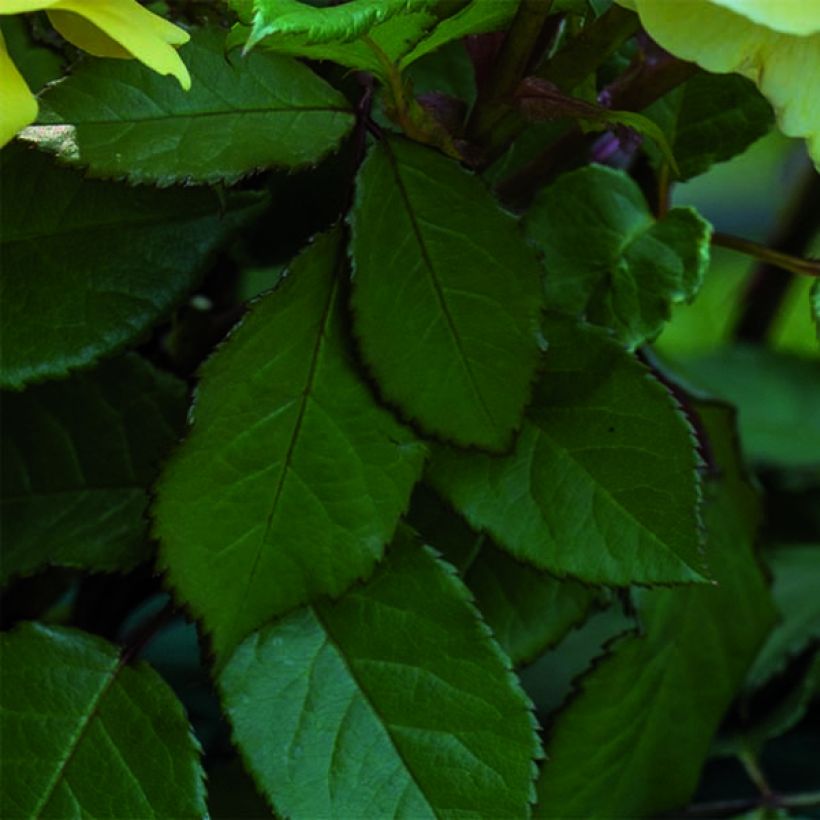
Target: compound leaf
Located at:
point(608, 260)
point(78, 458)
point(119, 119)
point(292, 478)
point(446, 296)
point(86, 267)
point(622, 747)
point(395, 696)
point(602, 484)
point(85, 735)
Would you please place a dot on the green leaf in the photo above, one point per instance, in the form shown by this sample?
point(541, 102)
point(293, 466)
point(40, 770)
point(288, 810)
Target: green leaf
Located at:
point(527, 610)
point(445, 296)
point(796, 572)
point(710, 118)
point(78, 458)
point(120, 119)
point(37, 64)
point(324, 25)
point(478, 17)
point(292, 478)
point(602, 483)
point(633, 740)
point(85, 735)
point(87, 267)
point(395, 697)
point(814, 297)
point(777, 394)
point(608, 260)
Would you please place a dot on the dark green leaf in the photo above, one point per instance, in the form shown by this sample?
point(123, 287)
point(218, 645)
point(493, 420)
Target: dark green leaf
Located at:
point(292, 478)
point(777, 394)
point(85, 735)
point(633, 740)
point(709, 119)
point(796, 571)
point(527, 609)
point(602, 484)
point(445, 295)
point(394, 697)
point(37, 64)
point(78, 458)
point(608, 260)
point(86, 267)
point(123, 120)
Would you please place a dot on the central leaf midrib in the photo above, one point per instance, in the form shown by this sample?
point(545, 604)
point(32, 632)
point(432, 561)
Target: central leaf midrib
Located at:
point(297, 426)
point(191, 115)
point(94, 708)
point(437, 288)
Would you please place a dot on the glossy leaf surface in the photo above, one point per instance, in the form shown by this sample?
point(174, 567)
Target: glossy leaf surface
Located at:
point(602, 483)
point(241, 114)
point(621, 747)
point(100, 265)
point(445, 296)
point(395, 696)
point(608, 260)
point(78, 459)
point(292, 478)
point(86, 736)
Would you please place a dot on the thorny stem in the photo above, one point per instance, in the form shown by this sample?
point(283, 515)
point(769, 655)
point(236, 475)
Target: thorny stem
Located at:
point(147, 632)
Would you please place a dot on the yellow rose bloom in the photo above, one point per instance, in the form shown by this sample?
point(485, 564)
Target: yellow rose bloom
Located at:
point(775, 43)
point(104, 28)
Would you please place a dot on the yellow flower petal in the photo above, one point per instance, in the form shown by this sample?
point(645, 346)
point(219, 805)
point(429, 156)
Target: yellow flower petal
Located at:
point(786, 16)
point(18, 107)
point(140, 33)
point(786, 67)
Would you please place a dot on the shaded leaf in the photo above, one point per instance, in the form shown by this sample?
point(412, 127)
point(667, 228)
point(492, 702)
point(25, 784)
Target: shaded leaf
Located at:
point(78, 458)
point(445, 295)
point(292, 478)
point(602, 483)
point(633, 740)
point(710, 118)
point(38, 64)
point(777, 395)
point(608, 260)
point(395, 696)
point(796, 571)
point(814, 297)
point(85, 735)
point(123, 120)
point(86, 267)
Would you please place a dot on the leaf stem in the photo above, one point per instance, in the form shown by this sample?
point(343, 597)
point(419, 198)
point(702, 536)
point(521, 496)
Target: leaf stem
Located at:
point(793, 264)
point(752, 768)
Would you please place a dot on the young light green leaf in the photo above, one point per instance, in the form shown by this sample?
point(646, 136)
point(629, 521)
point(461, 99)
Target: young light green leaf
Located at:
point(796, 571)
point(602, 484)
point(292, 478)
point(325, 25)
point(242, 114)
point(608, 260)
point(394, 696)
point(78, 458)
point(87, 267)
point(778, 395)
point(633, 740)
point(710, 118)
point(85, 735)
point(446, 296)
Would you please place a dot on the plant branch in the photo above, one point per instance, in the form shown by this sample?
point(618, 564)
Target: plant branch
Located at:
point(793, 264)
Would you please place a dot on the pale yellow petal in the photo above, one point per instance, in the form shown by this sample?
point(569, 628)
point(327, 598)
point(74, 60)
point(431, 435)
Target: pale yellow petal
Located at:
point(86, 35)
point(18, 107)
point(786, 16)
point(23, 6)
point(141, 34)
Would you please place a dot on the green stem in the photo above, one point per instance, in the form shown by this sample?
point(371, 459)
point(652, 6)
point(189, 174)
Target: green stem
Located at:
point(804, 800)
point(750, 763)
point(794, 264)
point(514, 59)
